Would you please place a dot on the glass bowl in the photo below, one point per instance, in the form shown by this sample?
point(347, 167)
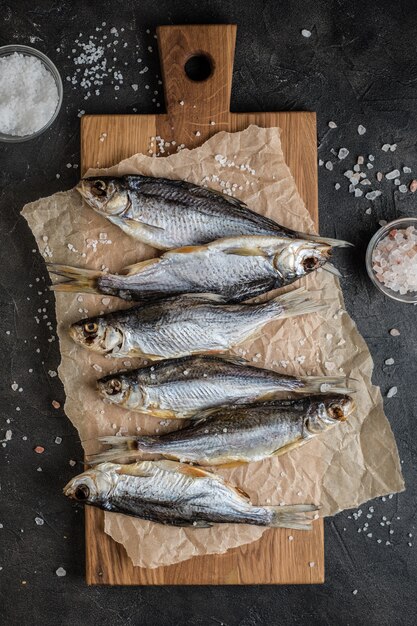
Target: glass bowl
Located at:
point(28, 51)
point(402, 223)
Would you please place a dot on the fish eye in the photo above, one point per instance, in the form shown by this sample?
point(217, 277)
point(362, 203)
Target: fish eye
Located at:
point(91, 328)
point(82, 493)
point(113, 387)
point(99, 188)
point(336, 412)
point(310, 263)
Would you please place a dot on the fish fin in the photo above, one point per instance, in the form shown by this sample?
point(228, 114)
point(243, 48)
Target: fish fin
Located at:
point(245, 251)
point(335, 243)
point(193, 471)
point(211, 297)
point(161, 413)
point(232, 464)
point(292, 516)
point(185, 250)
point(200, 524)
point(121, 447)
point(295, 303)
point(131, 270)
point(79, 279)
point(324, 384)
point(135, 469)
point(133, 225)
point(329, 267)
point(288, 447)
point(235, 360)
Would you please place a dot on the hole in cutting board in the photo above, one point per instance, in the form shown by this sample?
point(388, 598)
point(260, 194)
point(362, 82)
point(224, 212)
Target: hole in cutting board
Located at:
point(198, 67)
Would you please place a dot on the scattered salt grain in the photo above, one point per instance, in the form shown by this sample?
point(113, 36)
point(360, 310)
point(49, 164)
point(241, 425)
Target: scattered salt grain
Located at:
point(60, 572)
point(361, 129)
point(329, 165)
point(72, 463)
point(337, 186)
point(15, 386)
point(306, 33)
point(372, 195)
point(392, 174)
point(290, 538)
point(403, 188)
point(358, 193)
point(29, 94)
point(332, 125)
point(39, 521)
point(379, 176)
point(394, 332)
point(392, 392)
point(343, 153)
point(355, 591)
point(52, 373)
point(58, 440)
point(385, 147)
point(311, 564)
point(389, 361)
point(393, 147)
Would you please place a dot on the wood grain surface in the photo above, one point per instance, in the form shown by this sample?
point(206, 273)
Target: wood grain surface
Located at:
point(195, 112)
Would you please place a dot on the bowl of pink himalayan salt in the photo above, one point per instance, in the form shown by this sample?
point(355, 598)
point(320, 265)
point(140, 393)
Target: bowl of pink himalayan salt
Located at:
point(30, 93)
point(391, 260)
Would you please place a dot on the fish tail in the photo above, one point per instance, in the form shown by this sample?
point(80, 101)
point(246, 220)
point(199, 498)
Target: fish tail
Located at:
point(295, 303)
point(297, 516)
point(79, 279)
point(121, 447)
point(325, 384)
point(335, 243)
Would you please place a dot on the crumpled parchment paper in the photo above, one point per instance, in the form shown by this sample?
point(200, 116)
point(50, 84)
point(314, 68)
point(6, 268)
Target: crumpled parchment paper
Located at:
point(348, 465)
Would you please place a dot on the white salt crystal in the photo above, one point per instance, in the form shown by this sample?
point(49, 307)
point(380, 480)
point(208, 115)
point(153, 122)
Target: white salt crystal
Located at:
point(371, 195)
point(392, 392)
point(329, 165)
point(29, 94)
point(58, 440)
point(394, 332)
point(332, 125)
point(342, 154)
point(306, 33)
point(320, 162)
point(358, 193)
point(361, 129)
point(385, 147)
point(392, 174)
point(389, 361)
point(337, 186)
point(406, 170)
point(403, 188)
point(368, 211)
point(393, 147)
point(52, 373)
point(39, 521)
point(60, 572)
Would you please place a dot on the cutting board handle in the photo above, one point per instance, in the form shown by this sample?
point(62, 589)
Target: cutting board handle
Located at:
point(204, 49)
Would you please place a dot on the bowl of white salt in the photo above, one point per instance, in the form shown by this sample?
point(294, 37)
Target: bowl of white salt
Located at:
point(391, 259)
point(30, 93)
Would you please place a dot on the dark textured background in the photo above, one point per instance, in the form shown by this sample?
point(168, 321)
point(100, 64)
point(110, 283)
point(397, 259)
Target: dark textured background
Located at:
point(358, 67)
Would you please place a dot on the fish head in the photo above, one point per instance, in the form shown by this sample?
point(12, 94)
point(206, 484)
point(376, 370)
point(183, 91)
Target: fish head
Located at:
point(326, 411)
point(105, 194)
point(117, 389)
point(299, 257)
point(97, 334)
point(93, 486)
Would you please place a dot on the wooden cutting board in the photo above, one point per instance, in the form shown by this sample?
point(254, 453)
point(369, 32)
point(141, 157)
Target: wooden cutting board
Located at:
point(196, 110)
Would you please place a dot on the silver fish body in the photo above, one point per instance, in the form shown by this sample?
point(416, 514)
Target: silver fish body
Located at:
point(180, 388)
point(240, 433)
point(172, 493)
point(237, 269)
point(169, 214)
point(185, 325)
